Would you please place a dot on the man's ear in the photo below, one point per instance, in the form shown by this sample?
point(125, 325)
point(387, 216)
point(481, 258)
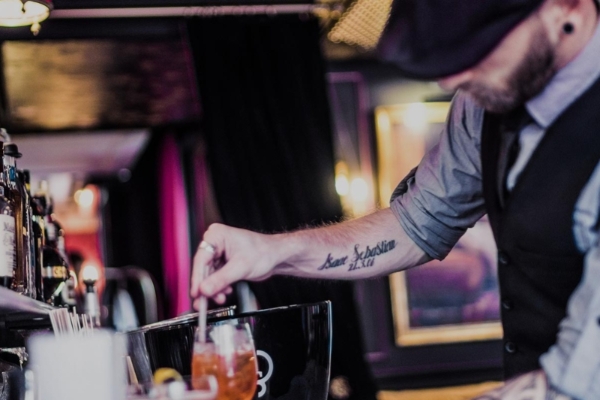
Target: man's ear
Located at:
point(562, 17)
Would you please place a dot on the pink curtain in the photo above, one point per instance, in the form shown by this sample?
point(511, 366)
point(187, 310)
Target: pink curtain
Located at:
point(174, 229)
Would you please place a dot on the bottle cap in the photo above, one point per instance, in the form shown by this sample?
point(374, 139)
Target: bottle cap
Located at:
point(12, 150)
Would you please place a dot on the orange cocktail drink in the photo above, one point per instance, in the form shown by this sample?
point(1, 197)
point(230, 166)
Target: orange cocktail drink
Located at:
point(231, 359)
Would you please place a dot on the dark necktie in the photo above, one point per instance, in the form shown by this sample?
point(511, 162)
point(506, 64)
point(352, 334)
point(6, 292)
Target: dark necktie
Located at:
point(510, 126)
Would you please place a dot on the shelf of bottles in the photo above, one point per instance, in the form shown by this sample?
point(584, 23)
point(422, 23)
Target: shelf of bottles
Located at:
point(34, 270)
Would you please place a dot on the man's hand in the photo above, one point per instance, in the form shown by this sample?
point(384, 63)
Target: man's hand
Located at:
point(234, 254)
point(530, 386)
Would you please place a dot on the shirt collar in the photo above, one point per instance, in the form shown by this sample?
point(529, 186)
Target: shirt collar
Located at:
point(567, 84)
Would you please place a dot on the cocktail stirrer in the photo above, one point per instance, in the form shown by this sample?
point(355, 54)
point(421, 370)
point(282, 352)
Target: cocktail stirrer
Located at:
point(202, 310)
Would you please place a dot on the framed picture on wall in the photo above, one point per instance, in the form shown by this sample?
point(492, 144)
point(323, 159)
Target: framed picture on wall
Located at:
point(454, 300)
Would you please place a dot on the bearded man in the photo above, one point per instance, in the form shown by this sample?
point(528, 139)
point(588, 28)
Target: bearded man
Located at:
point(522, 144)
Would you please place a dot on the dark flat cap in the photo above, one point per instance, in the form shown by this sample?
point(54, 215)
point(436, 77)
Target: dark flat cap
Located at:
point(429, 39)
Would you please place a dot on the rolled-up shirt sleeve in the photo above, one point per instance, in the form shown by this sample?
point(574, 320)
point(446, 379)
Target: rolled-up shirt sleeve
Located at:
point(573, 363)
point(443, 197)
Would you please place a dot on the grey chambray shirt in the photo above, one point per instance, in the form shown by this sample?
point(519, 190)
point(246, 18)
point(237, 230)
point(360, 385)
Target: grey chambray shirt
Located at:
point(445, 198)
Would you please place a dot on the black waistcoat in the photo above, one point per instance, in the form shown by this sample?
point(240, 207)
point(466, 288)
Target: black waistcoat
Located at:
point(539, 265)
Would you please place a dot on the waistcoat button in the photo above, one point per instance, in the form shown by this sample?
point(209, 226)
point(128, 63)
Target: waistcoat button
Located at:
point(510, 347)
point(507, 304)
point(503, 258)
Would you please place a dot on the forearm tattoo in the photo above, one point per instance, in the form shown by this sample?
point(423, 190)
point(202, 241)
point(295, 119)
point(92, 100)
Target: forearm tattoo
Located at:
point(530, 386)
point(360, 258)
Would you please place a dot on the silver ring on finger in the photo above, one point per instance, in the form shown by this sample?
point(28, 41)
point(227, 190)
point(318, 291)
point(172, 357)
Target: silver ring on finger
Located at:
point(208, 247)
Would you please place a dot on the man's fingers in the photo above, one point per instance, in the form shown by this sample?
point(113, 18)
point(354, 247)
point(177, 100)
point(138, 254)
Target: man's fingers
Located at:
point(223, 278)
point(202, 260)
point(209, 253)
point(219, 298)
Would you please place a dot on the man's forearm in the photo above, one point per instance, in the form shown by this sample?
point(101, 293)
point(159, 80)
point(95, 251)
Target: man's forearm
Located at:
point(365, 247)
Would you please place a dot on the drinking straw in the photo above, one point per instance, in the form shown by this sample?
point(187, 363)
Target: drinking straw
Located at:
point(202, 310)
point(133, 380)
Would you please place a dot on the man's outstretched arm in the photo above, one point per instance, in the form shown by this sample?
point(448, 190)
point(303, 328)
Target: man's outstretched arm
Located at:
point(435, 206)
point(366, 247)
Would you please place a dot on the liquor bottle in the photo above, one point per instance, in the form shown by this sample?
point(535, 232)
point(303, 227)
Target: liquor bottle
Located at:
point(39, 240)
point(7, 230)
point(28, 239)
point(55, 234)
point(55, 239)
point(51, 226)
point(11, 153)
point(55, 270)
point(54, 274)
point(25, 271)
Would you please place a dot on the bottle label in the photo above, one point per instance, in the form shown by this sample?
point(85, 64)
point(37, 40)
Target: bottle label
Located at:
point(50, 232)
point(7, 245)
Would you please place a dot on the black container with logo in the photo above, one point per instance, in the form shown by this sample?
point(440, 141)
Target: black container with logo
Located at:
point(293, 346)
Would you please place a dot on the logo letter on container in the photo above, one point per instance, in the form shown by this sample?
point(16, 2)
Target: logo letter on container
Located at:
point(262, 382)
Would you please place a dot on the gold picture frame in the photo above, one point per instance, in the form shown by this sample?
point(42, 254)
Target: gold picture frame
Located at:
point(403, 134)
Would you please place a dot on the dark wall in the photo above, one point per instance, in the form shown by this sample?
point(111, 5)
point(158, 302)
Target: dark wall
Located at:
point(130, 217)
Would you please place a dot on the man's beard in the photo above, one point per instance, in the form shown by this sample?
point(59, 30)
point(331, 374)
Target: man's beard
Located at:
point(527, 80)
